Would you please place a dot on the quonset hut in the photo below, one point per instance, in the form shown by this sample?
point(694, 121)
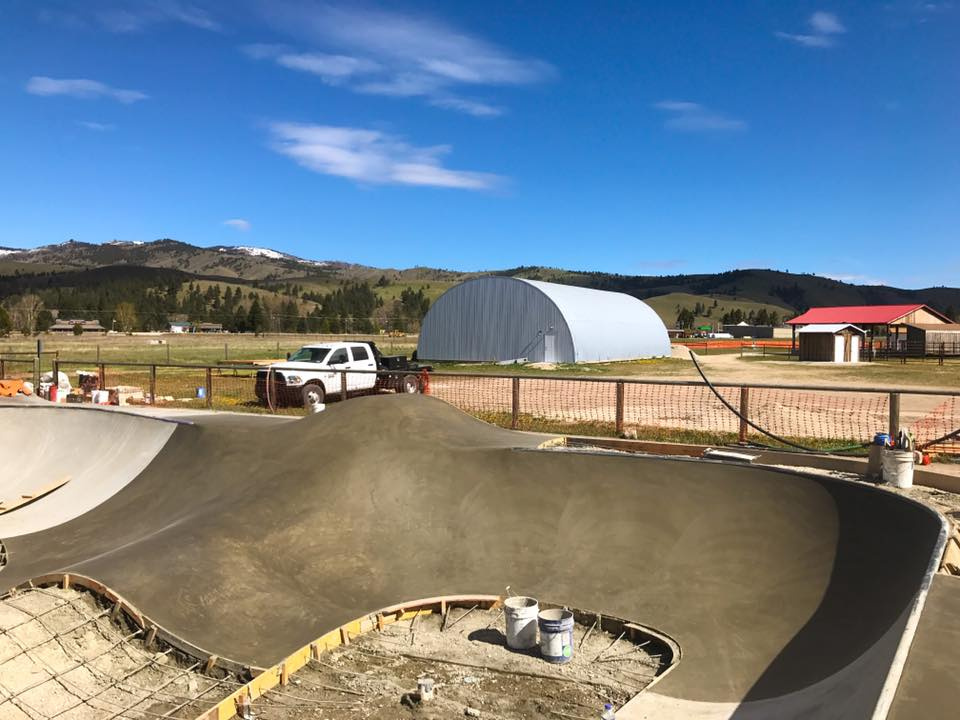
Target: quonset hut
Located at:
point(493, 319)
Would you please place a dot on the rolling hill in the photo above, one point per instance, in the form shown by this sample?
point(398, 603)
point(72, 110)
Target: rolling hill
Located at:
point(785, 293)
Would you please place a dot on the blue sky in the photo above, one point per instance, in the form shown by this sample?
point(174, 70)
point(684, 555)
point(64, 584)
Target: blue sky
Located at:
point(642, 138)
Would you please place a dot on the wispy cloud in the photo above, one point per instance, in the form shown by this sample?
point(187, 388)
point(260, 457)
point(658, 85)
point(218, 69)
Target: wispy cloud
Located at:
point(397, 55)
point(685, 116)
point(470, 107)
point(824, 28)
point(97, 126)
point(855, 279)
point(238, 224)
point(371, 156)
point(136, 16)
point(81, 88)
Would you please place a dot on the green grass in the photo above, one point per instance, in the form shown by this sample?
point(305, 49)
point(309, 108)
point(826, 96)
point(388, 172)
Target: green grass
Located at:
point(651, 367)
point(199, 349)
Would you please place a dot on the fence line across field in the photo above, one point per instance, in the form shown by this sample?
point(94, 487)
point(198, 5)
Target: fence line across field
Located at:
point(659, 409)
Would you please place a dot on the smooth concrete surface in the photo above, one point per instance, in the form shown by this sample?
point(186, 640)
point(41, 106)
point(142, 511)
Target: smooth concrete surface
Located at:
point(788, 595)
point(98, 449)
point(931, 677)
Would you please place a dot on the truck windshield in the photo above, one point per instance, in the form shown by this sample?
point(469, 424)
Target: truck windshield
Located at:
point(310, 354)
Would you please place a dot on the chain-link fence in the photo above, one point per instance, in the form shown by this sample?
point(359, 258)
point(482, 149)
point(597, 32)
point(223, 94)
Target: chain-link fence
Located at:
point(663, 410)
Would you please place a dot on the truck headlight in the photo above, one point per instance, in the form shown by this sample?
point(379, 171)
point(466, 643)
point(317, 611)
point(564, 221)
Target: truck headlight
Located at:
point(294, 380)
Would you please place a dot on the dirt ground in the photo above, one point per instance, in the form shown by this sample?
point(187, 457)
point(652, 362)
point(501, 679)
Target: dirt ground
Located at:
point(375, 677)
point(61, 656)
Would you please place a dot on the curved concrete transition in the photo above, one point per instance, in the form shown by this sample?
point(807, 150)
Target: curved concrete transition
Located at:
point(99, 450)
point(790, 596)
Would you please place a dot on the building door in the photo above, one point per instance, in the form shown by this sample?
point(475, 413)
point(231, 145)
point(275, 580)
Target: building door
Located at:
point(550, 346)
point(838, 348)
point(854, 348)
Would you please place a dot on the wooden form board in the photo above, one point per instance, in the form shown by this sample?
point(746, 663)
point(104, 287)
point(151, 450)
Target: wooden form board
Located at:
point(9, 505)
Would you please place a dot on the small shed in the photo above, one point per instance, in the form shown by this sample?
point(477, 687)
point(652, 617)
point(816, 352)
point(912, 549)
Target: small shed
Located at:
point(929, 339)
point(839, 343)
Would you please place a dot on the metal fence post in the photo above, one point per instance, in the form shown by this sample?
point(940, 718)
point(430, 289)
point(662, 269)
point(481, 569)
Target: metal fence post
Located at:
point(3, 369)
point(103, 375)
point(343, 385)
point(153, 384)
point(621, 386)
point(209, 387)
point(515, 404)
point(894, 414)
point(744, 413)
point(36, 372)
point(56, 372)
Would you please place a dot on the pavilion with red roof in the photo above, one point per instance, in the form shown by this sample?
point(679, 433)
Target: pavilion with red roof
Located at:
point(885, 320)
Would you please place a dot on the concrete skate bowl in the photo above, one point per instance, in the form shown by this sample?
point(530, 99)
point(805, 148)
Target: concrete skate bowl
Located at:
point(73, 458)
point(789, 595)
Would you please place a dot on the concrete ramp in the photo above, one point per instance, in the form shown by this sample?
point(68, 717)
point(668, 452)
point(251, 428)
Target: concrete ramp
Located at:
point(790, 596)
point(98, 450)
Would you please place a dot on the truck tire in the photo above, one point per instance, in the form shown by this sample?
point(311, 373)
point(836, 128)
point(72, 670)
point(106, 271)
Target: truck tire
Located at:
point(311, 394)
point(409, 385)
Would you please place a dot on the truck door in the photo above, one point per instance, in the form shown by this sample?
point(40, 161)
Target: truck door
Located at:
point(339, 360)
point(362, 360)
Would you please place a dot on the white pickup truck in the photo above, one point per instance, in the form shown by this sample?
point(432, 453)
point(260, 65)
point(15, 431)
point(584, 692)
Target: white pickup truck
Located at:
point(314, 372)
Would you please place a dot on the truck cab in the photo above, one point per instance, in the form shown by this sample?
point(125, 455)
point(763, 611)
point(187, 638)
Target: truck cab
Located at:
point(310, 374)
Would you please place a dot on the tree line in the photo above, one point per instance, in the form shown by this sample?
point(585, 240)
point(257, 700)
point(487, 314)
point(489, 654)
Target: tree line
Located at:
point(129, 304)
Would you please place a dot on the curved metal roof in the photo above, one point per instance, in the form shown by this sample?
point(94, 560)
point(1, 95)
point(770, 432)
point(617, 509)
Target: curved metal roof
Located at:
point(607, 325)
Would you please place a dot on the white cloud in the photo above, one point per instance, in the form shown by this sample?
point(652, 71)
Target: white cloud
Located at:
point(470, 107)
point(82, 88)
point(333, 69)
point(97, 126)
point(238, 224)
point(371, 156)
point(824, 26)
point(687, 116)
point(138, 15)
point(826, 23)
point(397, 55)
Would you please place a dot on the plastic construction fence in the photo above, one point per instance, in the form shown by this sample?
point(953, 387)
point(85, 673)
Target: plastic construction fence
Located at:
point(822, 417)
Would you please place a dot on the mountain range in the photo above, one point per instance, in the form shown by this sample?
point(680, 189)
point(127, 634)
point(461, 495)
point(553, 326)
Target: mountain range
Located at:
point(788, 292)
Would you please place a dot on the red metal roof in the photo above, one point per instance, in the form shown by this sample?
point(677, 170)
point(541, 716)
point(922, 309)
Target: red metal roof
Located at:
point(857, 314)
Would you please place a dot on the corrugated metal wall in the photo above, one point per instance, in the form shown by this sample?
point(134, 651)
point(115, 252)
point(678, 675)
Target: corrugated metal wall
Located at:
point(499, 318)
point(493, 319)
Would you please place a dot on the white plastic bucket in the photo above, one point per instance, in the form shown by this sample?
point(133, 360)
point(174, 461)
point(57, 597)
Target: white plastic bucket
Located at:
point(898, 468)
point(556, 635)
point(521, 614)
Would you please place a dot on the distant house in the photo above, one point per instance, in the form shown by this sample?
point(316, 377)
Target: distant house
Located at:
point(207, 327)
point(744, 330)
point(839, 343)
point(67, 326)
point(181, 327)
point(887, 321)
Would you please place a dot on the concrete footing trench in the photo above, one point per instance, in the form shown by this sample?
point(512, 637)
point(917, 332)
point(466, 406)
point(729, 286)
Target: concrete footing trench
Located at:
point(247, 549)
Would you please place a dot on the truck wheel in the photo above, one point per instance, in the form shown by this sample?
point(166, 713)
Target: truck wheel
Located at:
point(312, 394)
point(409, 385)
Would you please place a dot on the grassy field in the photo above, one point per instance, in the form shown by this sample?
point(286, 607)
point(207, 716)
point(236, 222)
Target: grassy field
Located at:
point(188, 348)
point(724, 365)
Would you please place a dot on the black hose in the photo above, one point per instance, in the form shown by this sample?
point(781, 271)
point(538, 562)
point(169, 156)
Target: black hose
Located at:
point(764, 431)
point(948, 436)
